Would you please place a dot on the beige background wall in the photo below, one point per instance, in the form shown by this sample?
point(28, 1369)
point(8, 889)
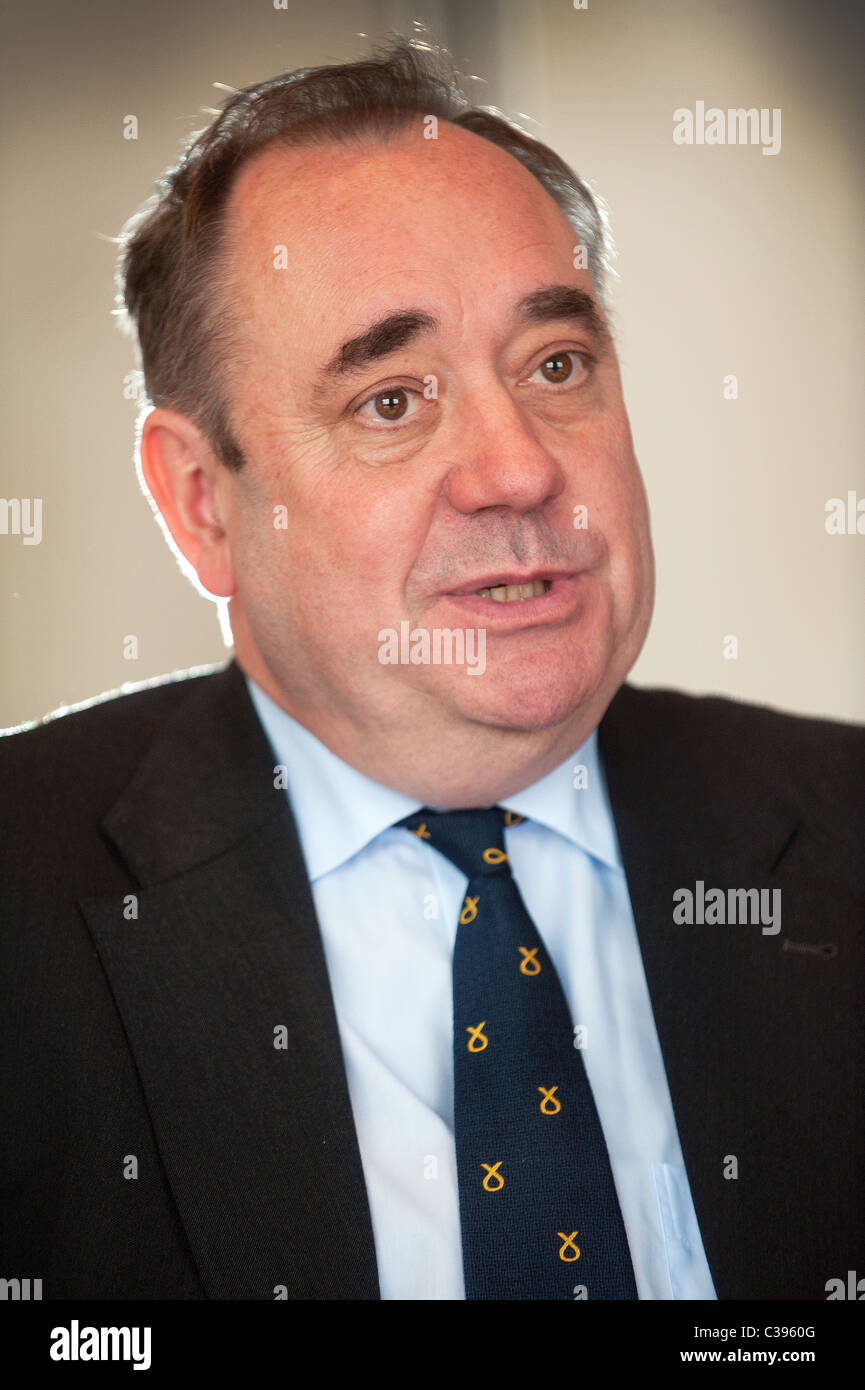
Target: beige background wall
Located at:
point(730, 262)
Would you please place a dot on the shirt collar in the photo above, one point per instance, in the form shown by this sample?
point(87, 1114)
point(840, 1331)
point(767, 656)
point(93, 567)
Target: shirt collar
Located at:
point(573, 800)
point(339, 810)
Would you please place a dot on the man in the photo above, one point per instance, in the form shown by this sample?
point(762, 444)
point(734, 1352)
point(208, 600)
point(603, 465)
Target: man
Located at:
point(415, 954)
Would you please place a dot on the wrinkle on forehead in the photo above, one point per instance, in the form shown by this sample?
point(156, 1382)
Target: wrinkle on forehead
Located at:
point(337, 205)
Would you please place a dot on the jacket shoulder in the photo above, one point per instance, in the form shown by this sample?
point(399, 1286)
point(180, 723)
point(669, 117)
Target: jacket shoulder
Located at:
point(85, 755)
point(743, 751)
point(718, 716)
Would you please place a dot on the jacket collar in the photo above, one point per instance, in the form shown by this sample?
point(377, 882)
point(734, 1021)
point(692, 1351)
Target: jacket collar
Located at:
point(688, 806)
point(222, 987)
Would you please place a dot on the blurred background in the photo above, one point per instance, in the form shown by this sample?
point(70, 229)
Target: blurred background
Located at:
point(731, 263)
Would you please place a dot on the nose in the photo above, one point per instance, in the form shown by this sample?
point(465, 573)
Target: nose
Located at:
point(501, 460)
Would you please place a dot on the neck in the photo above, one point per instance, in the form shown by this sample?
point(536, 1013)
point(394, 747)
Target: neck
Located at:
point(464, 765)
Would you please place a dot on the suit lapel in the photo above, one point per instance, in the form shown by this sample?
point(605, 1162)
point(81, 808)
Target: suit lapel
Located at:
point(682, 814)
point(223, 961)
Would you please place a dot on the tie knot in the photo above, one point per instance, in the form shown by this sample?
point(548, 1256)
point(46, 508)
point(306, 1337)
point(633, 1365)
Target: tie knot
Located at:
point(473, 840)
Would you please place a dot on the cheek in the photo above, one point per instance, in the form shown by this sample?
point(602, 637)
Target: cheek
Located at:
point(616, 473)
point(617, 506)
point(337, 554)
point(608, 484)
point(379, 530)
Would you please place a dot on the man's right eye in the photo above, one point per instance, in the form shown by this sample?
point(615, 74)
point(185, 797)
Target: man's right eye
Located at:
point(390, 405)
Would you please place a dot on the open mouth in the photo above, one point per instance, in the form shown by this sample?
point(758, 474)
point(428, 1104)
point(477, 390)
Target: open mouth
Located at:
point(515, 593)
point(548, 597)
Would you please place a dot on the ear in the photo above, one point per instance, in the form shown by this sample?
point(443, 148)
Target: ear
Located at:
point(192, 489)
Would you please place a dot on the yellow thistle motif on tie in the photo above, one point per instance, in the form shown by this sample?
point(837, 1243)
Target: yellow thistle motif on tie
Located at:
point(569, 1245)
point(477, 1037)
point(470, 910)
point(549, 1094)
point(493, 1172)
point(494, 856)
point(528, 965)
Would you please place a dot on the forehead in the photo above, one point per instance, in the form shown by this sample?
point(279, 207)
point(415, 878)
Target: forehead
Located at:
point(454, 209)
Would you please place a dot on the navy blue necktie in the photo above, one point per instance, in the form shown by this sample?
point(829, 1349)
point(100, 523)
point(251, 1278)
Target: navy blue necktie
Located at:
point(538, 1208)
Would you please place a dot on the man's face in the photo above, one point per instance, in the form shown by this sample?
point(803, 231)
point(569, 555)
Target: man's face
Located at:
point(444, 453)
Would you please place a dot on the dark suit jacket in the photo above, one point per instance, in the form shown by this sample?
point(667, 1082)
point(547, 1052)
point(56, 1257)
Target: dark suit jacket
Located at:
point(152, 1038)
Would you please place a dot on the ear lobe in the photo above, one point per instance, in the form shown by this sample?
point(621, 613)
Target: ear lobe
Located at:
point(181, 472)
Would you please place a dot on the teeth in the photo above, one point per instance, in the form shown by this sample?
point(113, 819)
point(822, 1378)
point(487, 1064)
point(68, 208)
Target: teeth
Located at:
point(511, 593)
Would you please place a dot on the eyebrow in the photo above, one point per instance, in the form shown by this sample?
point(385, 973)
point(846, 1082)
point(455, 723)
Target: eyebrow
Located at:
point(563, 302)
point(399, 329)
point(379, 340)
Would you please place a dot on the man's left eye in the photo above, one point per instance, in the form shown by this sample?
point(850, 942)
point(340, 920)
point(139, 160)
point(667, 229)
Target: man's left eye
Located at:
point(560, 367)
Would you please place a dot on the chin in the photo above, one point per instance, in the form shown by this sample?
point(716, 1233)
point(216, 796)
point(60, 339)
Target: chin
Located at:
point(529, 698)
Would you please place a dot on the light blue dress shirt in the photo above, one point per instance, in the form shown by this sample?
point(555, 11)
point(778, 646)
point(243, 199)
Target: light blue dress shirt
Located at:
point(387, 905)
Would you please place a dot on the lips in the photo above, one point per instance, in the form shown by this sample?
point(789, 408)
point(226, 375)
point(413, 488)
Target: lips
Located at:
point(510, 602)
point(511, 593)
point(497, 584)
